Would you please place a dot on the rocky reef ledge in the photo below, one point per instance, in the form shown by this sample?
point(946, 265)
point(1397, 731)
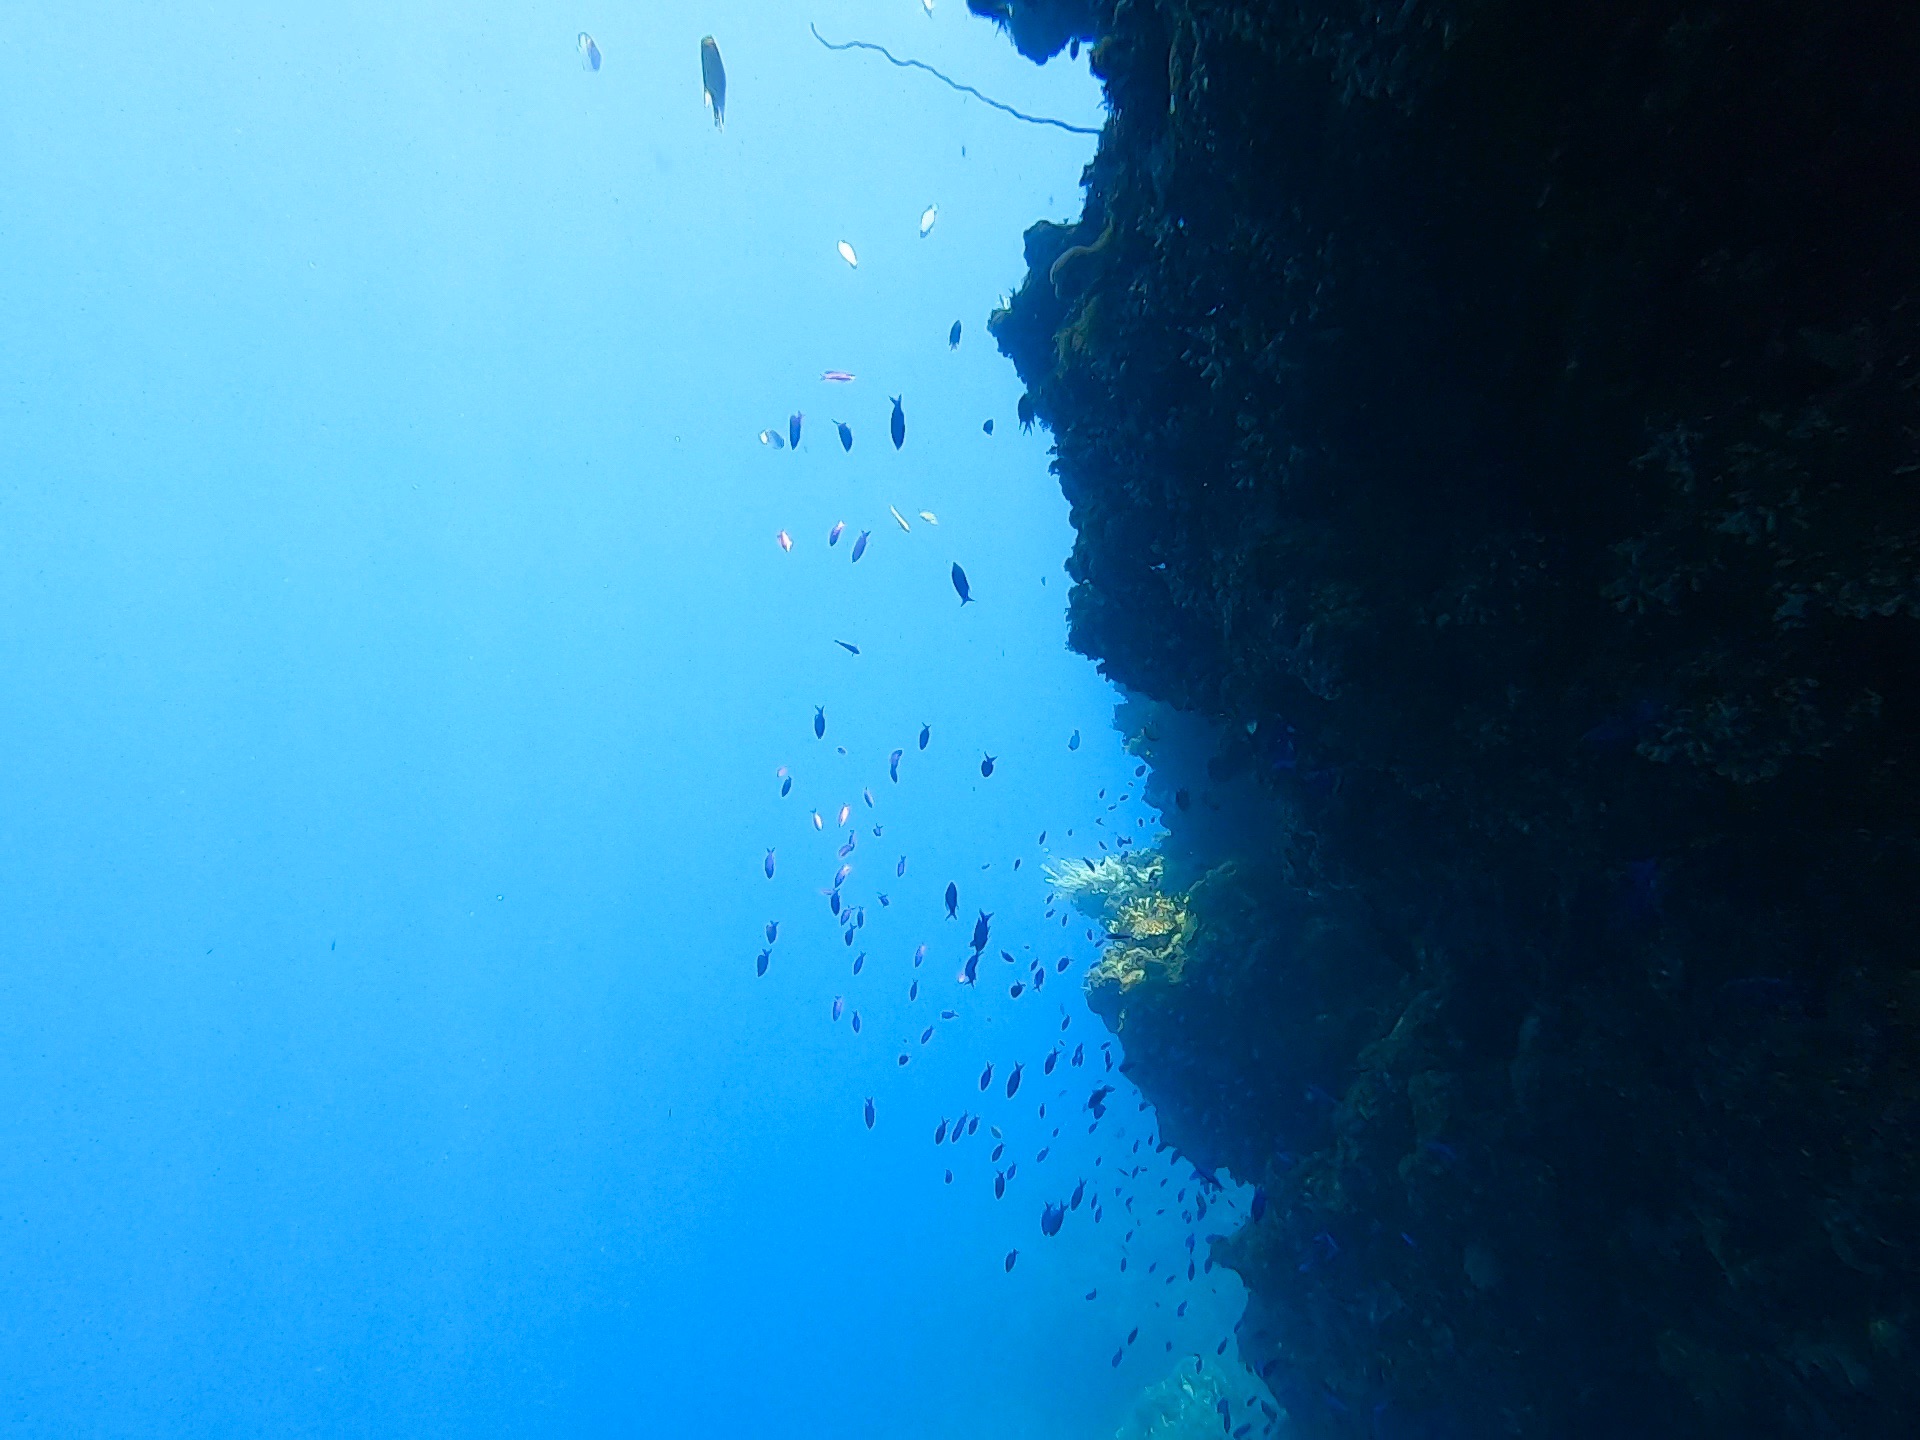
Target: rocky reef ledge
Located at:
point(1493, 437)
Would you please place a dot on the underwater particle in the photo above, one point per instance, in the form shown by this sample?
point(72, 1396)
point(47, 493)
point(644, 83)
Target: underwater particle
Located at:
point(1025, 412)
point(767, 864)
point(846, 254)
point(1073, 741)
point(898, 424)
point(850, 649)
point(846, 434)
point(819, 722)
point(833, 535)
point(760, 965)
point(893, 766)
point(589, 51)
point(986, 766)
point(1013, 1080)
point(899, 519)
point(773, 438)
point(986, 427)
point(713, 82)
point(837, 377)
point(929, 517)
point(926, 734)
point(953, 900)
point(960, 585)
point(869, 1112)
point(793, 429)
point(953, 336)
point(929, 215)
point(784, 540)
point(1012, 1255)
point(860, 546)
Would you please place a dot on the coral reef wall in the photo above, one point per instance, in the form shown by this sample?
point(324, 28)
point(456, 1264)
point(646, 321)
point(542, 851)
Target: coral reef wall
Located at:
point(1493, 437)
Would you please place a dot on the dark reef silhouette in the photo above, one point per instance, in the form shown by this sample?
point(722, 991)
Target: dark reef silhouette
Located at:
point(1493, 438)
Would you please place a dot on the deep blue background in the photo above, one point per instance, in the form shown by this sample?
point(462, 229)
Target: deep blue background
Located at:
point(394, 662)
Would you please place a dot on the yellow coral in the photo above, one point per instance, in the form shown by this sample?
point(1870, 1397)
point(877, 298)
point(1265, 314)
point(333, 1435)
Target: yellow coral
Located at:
point(1148, 926)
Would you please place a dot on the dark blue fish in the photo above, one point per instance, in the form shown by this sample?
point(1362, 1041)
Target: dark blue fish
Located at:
point(1073, 741)
point(850, 649)
point(855, 1017)
point(953, 336)
point(1052, 1218)
point(953, 898)
point(1046, 1066)
point(949, 1177)
point(869, 1112)
point(1012, 1255)
point(899, 424)
point(1013, 1080)
point(1015, 990)
point(986, 766)
point(819, 722)
point(767, 864)
point(1097, 1101)
point(760, 965)
point(859, 961)
point(1079, 1052)
point(860, 547)
point(786, 786)
point(969, 975)
point(987, 427)
point(903, 1057)
point(966, 596)
point(940, 1131)
point(926, 1035)
point(913, 991)
point(773, 931)
point(900, 867)
point(999, 1185)
point(926, 734)
point(1259, 1206)
point(1117, 1355)
point(982, 928)
point(893, 766)
point(986, 1076)
point(1079, 1191)
point(793, 429)
point(846, 434)
point(833, 902)
point(1025, 411)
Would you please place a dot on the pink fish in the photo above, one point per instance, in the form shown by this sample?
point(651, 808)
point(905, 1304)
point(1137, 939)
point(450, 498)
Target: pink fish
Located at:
point(786, 540)
point(838, 377)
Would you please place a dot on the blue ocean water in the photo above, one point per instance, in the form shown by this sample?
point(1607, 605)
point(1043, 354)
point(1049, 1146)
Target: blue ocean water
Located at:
point(398, 660)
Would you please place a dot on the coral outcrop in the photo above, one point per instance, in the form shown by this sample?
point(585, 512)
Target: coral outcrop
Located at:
point(1493, 438)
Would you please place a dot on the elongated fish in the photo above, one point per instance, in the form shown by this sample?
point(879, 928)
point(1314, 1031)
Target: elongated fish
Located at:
point(927, 216)
point(793, 429)
point(713, 82)
point(899, 519)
